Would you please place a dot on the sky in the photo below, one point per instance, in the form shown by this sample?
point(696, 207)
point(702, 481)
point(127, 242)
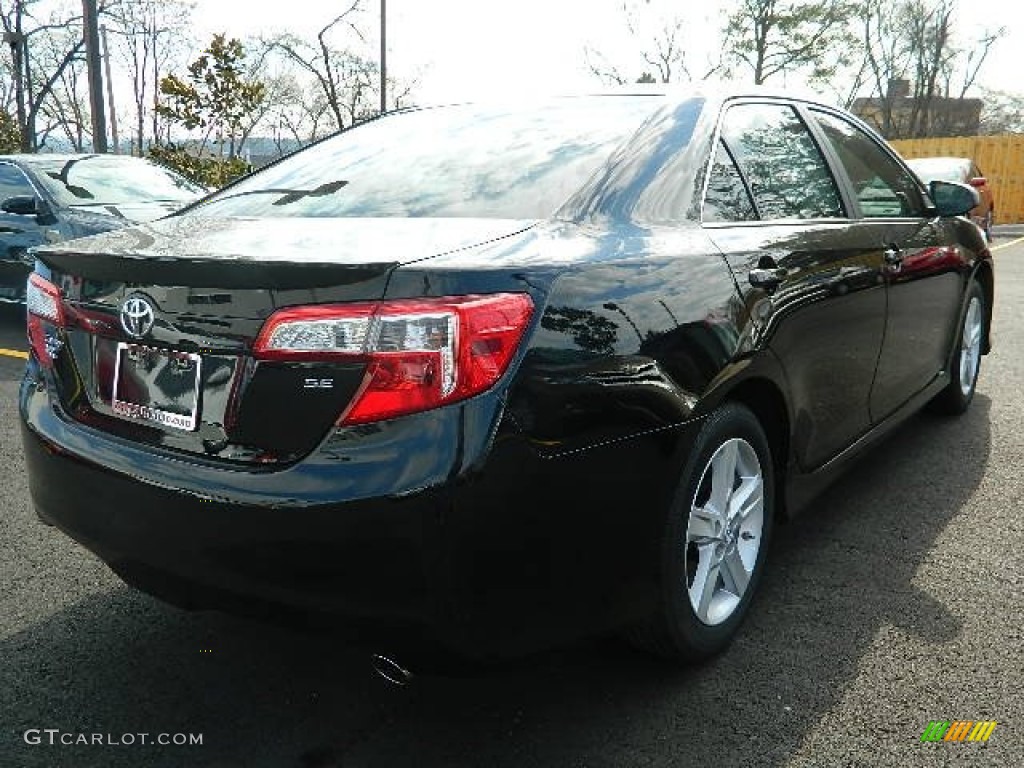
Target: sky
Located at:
point(458, 49)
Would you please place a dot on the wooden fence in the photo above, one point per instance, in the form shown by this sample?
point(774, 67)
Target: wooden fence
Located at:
point(1001, 159)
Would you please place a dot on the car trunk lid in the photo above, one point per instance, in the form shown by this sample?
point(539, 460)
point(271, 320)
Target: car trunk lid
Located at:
point(160, 322)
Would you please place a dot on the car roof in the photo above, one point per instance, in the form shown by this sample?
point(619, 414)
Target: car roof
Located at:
point(712, 92)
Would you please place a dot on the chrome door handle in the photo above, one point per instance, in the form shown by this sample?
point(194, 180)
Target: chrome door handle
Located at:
point(766, 279)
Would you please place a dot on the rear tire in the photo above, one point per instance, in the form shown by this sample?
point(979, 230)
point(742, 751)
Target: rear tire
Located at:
point(957, 396)
point(715, 540)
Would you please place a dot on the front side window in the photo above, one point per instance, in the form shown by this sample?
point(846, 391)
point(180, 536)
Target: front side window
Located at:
point(786, 172)
point(883, 188)
point(13, 183)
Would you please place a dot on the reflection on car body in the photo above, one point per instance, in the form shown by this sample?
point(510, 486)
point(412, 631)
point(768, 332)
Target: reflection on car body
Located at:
point(582, 356)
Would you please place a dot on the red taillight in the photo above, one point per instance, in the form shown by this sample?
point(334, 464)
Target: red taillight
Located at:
point(978, 182)
point(419, 354)
point(44, 304)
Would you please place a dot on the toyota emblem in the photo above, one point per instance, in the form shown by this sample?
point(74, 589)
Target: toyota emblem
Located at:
point(137, 316)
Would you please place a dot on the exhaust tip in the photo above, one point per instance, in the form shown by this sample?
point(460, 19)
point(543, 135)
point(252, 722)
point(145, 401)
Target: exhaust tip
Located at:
point(390, 670)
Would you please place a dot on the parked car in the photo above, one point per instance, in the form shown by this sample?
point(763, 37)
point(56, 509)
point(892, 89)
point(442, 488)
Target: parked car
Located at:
point(52, 197)
point(490, 379)
point(965, 171)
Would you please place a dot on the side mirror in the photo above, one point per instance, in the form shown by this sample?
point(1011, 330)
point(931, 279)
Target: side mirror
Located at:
point(22, 205)
point(952, 198)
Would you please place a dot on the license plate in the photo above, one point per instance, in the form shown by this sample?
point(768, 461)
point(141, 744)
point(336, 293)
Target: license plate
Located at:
point(158, 386)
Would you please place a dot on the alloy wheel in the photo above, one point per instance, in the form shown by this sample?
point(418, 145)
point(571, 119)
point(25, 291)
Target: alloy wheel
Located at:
point(970, 346)
point(724, 531)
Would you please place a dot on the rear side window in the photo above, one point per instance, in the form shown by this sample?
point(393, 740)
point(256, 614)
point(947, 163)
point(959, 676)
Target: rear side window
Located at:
point(786, 172)
point(883, 188)
point(727, 198)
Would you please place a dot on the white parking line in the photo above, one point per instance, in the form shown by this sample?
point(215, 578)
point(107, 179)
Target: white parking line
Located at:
point(1007, 245)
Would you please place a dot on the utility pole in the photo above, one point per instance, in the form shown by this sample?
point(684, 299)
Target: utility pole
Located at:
point(110, 90)
point(383, 56)
point(92, 58)
point(30, 105)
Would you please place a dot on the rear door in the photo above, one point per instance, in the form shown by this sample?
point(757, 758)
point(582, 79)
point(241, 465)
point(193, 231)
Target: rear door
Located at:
point(924, 267)
point(810, 275)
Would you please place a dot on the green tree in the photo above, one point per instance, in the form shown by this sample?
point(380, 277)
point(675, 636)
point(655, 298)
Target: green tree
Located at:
point(770, 37)
point(209, 171)
point(216, 97)
point(10, 136)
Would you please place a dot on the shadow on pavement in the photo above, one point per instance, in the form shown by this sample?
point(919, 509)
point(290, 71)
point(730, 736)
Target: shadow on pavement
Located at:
point(119, 662)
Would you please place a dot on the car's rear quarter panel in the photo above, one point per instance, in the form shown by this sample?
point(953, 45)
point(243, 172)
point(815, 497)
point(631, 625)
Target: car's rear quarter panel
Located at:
point(554, 533)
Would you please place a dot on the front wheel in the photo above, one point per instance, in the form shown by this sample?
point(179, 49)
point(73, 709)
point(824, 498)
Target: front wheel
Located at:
point(957, 396)
point(715, 539)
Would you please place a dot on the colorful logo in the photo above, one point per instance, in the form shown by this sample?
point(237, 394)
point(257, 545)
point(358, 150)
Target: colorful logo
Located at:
point(958, 730)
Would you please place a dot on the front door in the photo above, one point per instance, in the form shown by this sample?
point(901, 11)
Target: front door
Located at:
point(924, 271)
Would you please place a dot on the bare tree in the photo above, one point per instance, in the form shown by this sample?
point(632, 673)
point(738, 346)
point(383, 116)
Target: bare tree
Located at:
point(919, 74)
point(344, 76)
point(36, 75)
point(1003, 113)
point(65, 108)
point(333, 69)
point(664, 52)
point(150, 34)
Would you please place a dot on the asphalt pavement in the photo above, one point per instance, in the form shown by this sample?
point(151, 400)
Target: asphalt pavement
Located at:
point(897, 600)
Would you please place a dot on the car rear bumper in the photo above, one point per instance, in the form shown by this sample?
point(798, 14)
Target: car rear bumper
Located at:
point(361, 558)
point(277, 544)
point(483, 547)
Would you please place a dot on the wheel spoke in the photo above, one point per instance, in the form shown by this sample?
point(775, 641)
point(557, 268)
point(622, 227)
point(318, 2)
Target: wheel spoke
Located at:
point(735, 573)
point(970, 346)
point(974, 335)
point(723, 475)
point(705, 582)
point(746, 498)
point(703, 526)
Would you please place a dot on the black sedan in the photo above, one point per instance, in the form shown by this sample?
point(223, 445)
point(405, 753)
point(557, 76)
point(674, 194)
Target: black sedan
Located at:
point(489, 379)
point(48, 198)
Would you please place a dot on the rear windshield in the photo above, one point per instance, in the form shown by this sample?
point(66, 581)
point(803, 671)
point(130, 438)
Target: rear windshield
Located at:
point(462, 161)
point(110, 180)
